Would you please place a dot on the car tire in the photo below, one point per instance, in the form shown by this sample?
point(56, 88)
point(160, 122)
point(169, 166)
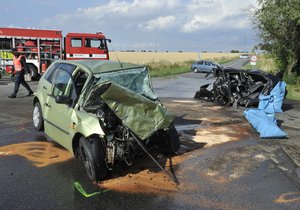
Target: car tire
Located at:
point(93, 156)
point(172, 140)
point(195, 70)
point(37, 117)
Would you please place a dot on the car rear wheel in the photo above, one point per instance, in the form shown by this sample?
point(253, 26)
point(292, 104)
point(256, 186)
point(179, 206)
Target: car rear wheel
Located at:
point(93, 156)
point(195, 70)
point(37, 117)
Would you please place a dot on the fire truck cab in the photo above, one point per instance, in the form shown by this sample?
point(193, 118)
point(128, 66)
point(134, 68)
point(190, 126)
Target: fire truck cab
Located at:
point(42, 47)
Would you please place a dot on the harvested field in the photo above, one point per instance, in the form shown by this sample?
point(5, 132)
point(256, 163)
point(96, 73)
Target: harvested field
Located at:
point(149, 57)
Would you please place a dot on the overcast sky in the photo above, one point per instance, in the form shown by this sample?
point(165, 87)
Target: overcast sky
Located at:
point(162, 25)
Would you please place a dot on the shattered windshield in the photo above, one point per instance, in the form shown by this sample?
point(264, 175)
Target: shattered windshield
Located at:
point(136, 79)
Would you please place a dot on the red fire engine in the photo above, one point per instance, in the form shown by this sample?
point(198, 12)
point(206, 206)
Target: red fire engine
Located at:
point(42, 47)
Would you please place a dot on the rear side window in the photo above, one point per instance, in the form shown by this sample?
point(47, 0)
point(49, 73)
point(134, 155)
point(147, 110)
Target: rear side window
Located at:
point(67, 67)
point(50, 72)
point(49, 75)
point(200, 62)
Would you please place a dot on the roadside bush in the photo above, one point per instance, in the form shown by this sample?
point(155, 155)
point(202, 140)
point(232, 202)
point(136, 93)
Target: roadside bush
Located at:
point(291, 79)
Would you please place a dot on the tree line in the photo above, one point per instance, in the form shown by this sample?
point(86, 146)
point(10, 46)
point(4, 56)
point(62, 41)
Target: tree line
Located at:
point(278, 25)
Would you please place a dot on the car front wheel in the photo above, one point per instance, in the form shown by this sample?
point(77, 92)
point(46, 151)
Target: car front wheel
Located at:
point(195, 70)
point(93, 156)
point(37, 117)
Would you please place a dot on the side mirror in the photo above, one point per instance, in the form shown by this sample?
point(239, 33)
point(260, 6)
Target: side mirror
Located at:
point(61, 99)
point(109, 40)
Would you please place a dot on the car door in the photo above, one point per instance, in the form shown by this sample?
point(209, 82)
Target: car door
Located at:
point(57, 116)
point(200, 65)
point(208, 66)
point(46, 83)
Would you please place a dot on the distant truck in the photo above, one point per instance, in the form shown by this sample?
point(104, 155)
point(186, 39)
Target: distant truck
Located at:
point(42, 47)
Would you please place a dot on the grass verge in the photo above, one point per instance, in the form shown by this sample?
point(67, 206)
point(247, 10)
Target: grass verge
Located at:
point(264, 63)
point(293, 92)
point(164, 68)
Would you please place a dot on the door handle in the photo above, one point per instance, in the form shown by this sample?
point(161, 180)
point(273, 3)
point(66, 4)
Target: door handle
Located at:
point(44, 87)
point(47, 105)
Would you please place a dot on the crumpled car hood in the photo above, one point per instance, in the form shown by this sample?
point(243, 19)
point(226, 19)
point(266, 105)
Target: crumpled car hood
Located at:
point(140, 114)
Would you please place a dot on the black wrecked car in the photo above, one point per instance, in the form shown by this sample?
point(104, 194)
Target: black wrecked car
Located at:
point(237, 87)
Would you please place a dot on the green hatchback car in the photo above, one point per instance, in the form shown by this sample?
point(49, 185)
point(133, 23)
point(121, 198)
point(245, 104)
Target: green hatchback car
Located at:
point(103, 112)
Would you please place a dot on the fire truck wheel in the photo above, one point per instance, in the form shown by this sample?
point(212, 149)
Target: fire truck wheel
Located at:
point(37, 117)
point(33, 71)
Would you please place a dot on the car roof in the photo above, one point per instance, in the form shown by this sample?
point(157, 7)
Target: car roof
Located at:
point(211, 61)
point(101, 66)
point(204, 60)
point(207, 61)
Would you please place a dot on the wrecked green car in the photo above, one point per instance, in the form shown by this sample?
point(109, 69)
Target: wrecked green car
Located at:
point(104, 112)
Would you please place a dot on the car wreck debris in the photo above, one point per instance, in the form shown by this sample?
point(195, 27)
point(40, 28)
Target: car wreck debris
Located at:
point(237, 87)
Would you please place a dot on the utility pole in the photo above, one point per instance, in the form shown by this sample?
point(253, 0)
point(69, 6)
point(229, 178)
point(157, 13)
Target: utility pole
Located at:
point(245, 38)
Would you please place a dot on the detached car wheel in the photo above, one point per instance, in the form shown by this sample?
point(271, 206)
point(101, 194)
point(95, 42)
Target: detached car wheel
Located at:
point(93, 156)
point(37, 117)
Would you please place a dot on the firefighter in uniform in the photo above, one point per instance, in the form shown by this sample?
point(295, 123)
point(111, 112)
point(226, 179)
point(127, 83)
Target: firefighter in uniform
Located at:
point(19, 67)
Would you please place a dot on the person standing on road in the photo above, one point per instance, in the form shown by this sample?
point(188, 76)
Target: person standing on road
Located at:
point(19, 67)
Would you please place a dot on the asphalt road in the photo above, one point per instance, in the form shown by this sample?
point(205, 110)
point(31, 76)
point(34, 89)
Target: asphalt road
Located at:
point(186, 85)
point(242, 173)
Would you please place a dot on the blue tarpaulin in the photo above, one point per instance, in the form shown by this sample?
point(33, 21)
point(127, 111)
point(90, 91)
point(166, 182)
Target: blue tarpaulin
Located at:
point(279, 93)
point(266, 103)
point(263, 125)
point(263, 118)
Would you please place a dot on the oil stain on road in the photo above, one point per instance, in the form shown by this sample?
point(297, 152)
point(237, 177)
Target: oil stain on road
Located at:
point(40, 154)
